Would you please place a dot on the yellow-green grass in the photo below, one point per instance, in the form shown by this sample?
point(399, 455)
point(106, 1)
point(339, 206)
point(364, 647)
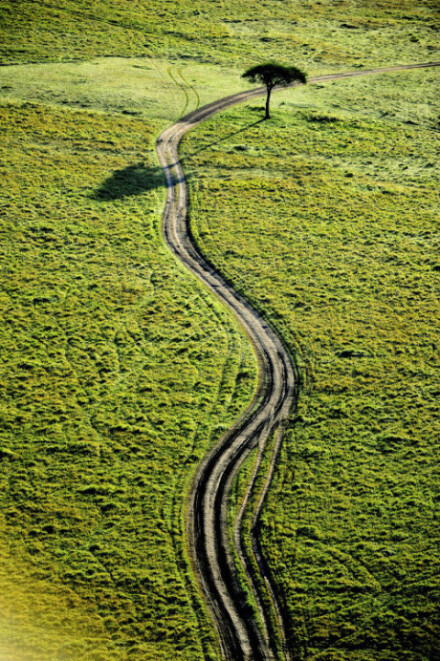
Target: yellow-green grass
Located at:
point(117, 373)
point(245, 502)
point(154, 89)
point(98, 444)
point(326, 217)
point(229, 33)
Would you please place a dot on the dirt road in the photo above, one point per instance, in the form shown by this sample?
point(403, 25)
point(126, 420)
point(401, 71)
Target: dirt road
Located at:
point(240, 636)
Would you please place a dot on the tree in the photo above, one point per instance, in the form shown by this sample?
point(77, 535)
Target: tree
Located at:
point(274, 75)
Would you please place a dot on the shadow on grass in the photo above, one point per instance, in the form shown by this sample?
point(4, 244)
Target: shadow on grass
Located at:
point(132, 180)
point(139, 178)
point(225, 137)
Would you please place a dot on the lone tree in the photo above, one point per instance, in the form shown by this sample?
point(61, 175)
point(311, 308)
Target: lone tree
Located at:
point(274, 75)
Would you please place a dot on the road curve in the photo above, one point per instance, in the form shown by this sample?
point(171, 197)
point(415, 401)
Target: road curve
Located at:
point(209, 541)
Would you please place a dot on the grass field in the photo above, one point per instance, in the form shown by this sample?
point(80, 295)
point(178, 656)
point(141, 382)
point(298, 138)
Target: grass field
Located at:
point(118, 371)
point(338, 245)
point(99, 439)
point(232, 34)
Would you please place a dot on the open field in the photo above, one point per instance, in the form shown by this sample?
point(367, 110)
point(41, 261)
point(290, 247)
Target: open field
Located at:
point(118, 371)
point(98, 440)
point(150, 89)
point(232, 34)
point(338, 245)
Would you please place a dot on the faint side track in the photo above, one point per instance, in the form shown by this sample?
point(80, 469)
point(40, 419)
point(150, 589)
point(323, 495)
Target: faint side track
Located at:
point(241, 638)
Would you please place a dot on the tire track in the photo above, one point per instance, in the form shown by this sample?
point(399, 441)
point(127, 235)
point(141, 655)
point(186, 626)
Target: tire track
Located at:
point(240, 637)
point(181, 86)
point(191, 87)
point(184, 86)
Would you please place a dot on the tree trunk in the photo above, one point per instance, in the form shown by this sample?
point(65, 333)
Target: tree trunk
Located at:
point(269, 90)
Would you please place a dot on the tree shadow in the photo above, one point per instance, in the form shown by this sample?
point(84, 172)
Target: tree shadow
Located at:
point(225, 137)
point(132, 180)
point(140, 177)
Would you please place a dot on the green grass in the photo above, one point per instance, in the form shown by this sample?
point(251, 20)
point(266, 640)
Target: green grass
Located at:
point(99, 438)
point(151, 89)
point(337, 244)
point(118, 370)
point(313, 34)
point(254, 472)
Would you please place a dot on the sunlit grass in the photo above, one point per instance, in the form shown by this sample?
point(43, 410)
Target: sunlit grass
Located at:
point(337, 244)
point(226, 33)
point(153, 89)
point(117, 373)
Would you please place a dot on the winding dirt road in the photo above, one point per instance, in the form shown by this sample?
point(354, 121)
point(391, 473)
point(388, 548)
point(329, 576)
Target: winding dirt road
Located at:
point(242, 639)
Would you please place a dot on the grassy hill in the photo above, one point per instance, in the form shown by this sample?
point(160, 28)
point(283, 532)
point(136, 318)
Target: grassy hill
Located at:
point(118, 370)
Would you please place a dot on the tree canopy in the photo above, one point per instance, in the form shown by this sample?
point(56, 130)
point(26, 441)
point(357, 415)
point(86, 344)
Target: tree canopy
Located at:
point(274, 75)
